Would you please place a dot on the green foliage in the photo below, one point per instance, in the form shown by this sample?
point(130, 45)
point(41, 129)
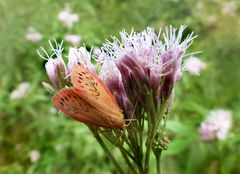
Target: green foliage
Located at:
point(27, 123)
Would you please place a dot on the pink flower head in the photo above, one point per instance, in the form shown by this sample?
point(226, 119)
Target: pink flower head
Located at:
point(73, 39)
point(55, 66)
point(194, 65)
point(229, 8)
point(147, 63)
point(97, 51)
point(112, 77)
point(67, 17)
point(20, 91)
point(207, 132)
point(173, 50)
point(33, 35)
point(34, 155)
point(82, 56)
point(217, 125)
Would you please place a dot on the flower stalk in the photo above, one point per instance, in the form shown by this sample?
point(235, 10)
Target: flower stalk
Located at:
point(106, 150)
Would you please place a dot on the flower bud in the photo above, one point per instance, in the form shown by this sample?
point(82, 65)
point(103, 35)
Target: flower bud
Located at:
point(48, 87)
point(57, 72)
point(160, 142)
point(113, 79)
point(82, 56)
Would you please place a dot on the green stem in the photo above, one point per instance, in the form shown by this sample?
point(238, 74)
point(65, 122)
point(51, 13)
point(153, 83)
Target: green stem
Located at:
point(128, 143)
point(133, 144)
point(148, 151)
point(158, 161)
point(136, 158)
point(109, 154)
point(140, 166)
point(128, 162)
point(140, 153)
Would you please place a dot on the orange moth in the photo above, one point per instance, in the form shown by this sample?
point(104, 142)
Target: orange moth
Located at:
point(89, 101)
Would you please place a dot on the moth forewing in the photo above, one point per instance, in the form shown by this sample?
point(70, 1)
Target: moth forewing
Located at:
point(94, 91)
point(78, 109)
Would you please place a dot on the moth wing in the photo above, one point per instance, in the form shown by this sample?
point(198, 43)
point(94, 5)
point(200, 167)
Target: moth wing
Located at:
point(78, 109)
point(94, 91)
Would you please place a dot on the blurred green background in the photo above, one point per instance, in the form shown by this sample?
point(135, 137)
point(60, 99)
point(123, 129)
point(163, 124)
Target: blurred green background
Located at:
point(30, 127)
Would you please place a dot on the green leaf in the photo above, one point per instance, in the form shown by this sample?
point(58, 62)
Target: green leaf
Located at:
point(181, 128)
point(177, 146)
point(196, 158)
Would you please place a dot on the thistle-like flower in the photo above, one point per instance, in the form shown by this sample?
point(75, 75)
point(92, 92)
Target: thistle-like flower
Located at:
point(146, 63)
point(82, 56)
point(56, 68)
point(112, 77)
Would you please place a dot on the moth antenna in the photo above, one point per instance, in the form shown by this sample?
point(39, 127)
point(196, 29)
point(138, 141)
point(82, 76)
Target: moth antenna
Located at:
point(103, 130)
point(119, 138)
point(131, 119)
point(68, 75)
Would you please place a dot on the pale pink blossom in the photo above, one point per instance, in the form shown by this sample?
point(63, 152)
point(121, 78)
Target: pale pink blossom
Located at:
point(33, 35)
point(73, 39)
point(80, 55)
point(229, 8)
point(194, 65)
point(217, 125)
point(212, 19)
point(20, 91)
point(67, 17)
point(53, 110)
point(34, 156)
point(55, 67)
point(96, 51)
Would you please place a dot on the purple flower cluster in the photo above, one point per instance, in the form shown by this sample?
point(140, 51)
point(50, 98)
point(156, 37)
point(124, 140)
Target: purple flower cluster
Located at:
point(141, 63)
point(138, 68)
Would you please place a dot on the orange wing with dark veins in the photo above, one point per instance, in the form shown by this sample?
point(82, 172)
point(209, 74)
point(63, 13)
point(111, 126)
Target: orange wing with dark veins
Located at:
point(94, 91)
point(78, 109)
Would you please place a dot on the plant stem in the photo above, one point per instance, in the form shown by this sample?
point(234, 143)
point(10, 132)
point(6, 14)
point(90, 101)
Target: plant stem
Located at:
point(158, 162)
point(148, 151)
point(128, 162)
point(109, 154)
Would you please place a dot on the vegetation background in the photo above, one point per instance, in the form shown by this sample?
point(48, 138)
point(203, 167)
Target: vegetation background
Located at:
point(65, 146)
